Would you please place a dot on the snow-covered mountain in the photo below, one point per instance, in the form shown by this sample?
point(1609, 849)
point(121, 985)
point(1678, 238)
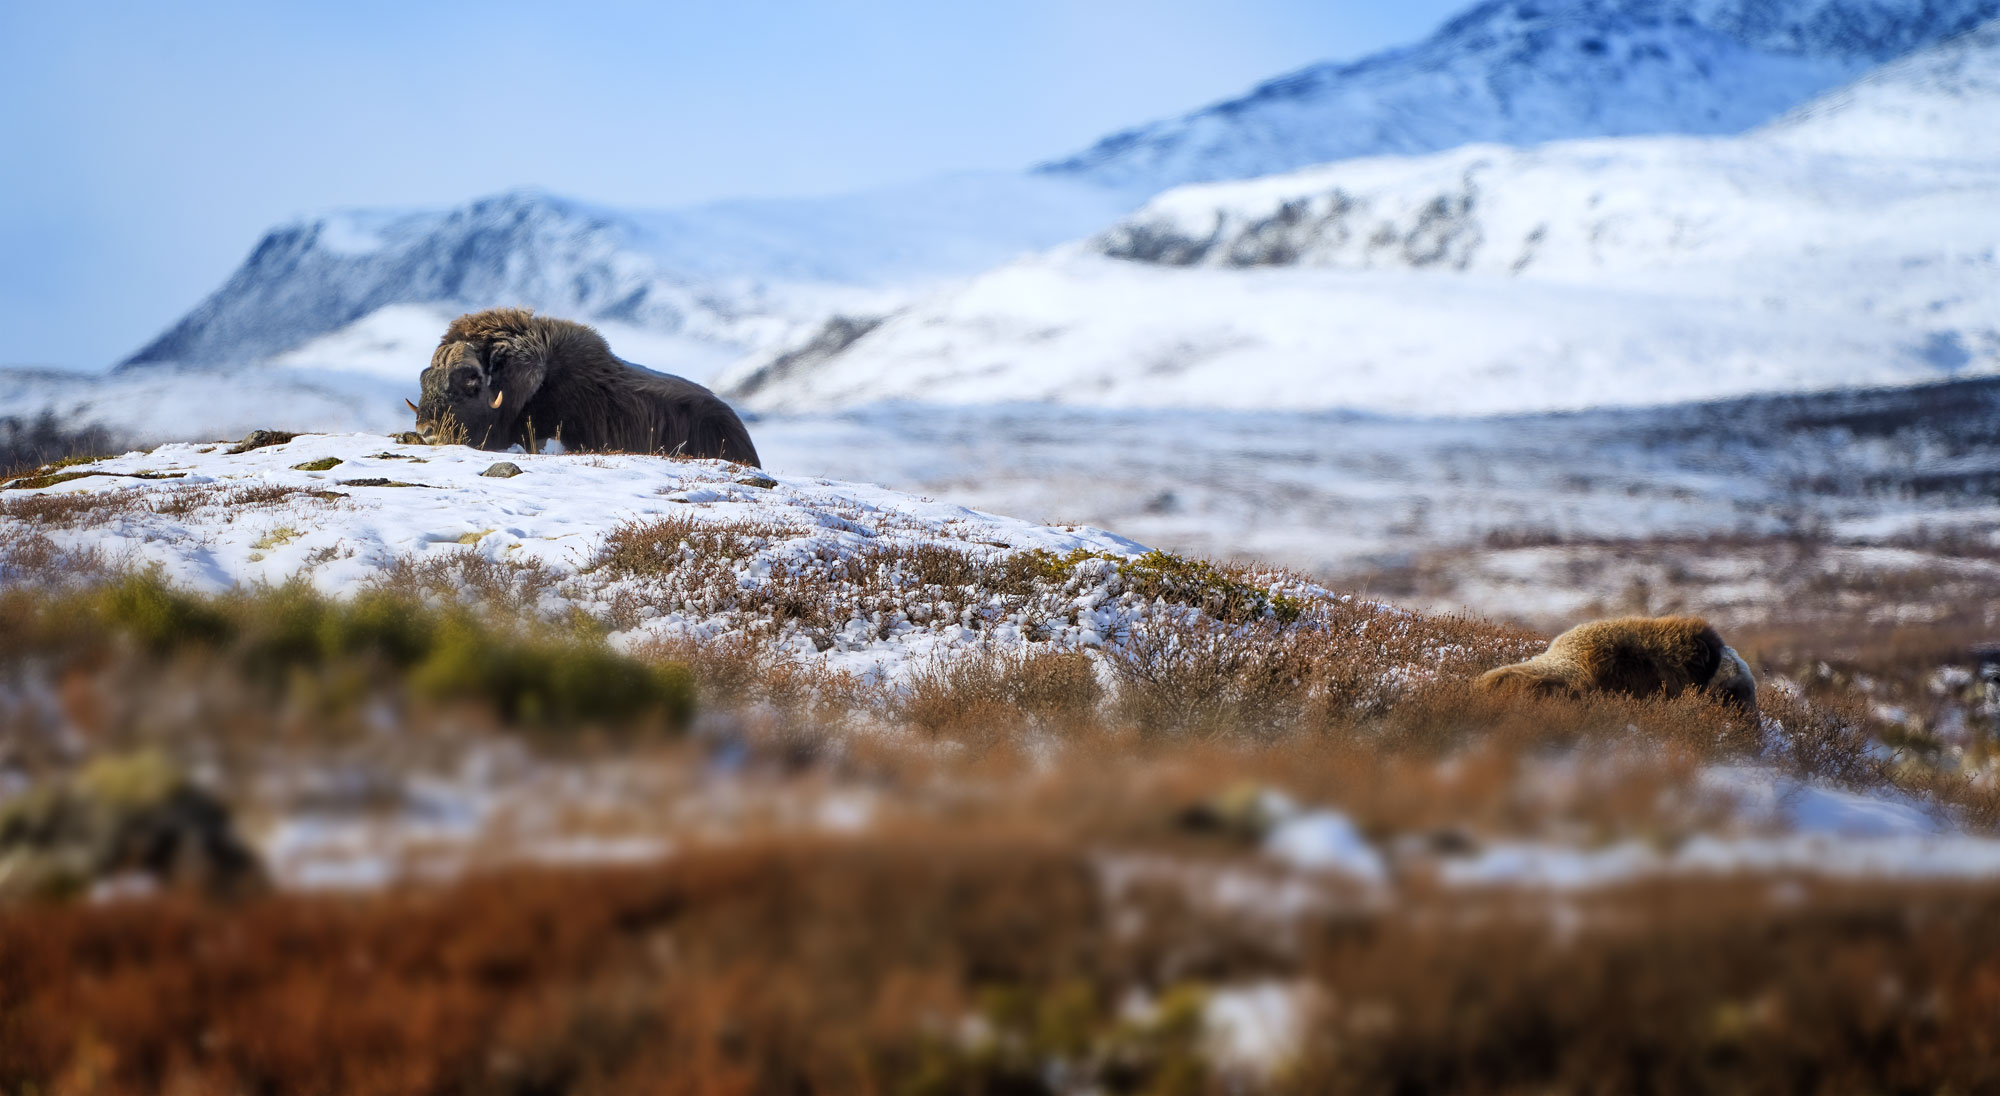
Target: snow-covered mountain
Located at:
point(1918, 130)
point(710, 280)
point(1856, 241)
point(1522, 72)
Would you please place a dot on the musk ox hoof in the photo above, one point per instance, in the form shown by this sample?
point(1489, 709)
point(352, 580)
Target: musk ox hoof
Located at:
point(505, 469)
point(1637, 656)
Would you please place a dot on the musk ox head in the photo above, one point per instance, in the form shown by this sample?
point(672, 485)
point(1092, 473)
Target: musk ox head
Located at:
point(483, 373)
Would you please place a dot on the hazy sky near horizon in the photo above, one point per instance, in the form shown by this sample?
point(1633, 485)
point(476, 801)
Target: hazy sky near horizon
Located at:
point(144, 148)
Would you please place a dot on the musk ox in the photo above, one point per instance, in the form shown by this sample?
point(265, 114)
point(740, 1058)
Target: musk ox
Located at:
point(508, 377)
point(1640, 656)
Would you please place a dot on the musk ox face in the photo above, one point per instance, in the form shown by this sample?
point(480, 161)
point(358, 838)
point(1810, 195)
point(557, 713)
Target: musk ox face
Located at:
point(464, 389)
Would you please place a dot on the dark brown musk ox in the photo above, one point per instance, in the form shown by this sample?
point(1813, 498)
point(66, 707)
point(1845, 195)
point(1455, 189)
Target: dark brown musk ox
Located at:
point(507, 377)
point(1638, 656)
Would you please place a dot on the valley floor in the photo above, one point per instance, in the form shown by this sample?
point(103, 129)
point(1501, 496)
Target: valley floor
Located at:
point(1520, 517)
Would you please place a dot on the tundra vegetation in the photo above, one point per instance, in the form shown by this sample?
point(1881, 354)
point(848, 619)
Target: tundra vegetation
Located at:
point(1028, 866)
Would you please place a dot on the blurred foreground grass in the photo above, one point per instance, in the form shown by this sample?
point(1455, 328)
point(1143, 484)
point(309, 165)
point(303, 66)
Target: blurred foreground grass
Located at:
point(1057, 884)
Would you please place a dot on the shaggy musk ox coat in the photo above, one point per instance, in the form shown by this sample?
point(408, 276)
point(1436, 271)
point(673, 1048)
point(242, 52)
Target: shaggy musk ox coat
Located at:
point(1640, 656)
point(508, 377)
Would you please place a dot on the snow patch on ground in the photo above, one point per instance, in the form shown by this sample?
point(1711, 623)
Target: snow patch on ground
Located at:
point(1326, 841)
point(385, 502)
point(1779, 825)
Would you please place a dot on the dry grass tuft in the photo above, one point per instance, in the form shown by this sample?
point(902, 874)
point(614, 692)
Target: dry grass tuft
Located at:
point(453, 574)
point(987, 695)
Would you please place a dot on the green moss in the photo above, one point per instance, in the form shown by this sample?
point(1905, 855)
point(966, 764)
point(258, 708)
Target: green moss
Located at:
point(531, 672)
point(129, 781)
point(50, 480)
point(32, 483)
point(277, 538)
point(1021, 571)
point(460, 661)
point(1201, 584)
point(1025, 1029)
point(1175, 579)
point(319, 465)
point(550, 679)
point(382, 624)
point(160, 616)
point(280, 627)
point(50, 474)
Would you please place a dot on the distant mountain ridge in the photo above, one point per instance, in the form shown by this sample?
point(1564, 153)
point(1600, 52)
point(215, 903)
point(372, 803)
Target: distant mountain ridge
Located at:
point(1503, 211)
point(737, 273)
point(1522, 72)
point(313, 276)
point(1854, 242)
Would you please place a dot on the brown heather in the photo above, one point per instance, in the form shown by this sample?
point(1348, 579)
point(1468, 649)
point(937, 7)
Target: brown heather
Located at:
point(857, 966)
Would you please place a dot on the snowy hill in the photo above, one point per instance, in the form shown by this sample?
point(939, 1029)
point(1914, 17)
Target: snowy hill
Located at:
point(711, 280)
point(1523, 72)
point(1489, 279)
point(339, 510)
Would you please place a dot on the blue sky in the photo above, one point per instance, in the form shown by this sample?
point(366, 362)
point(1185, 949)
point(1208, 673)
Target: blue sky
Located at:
point(145, 147)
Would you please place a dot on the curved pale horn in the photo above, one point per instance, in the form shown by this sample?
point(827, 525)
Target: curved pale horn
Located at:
point(411, 406)
point(498, 395)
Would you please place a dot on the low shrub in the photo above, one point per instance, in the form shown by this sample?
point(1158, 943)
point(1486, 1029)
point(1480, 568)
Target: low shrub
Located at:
point(529, 671)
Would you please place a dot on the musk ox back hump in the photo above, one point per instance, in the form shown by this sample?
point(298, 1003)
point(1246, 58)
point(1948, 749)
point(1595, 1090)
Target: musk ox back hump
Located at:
point(676, 416)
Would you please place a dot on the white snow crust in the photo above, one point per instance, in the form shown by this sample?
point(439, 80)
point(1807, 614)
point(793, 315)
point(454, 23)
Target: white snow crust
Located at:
point(557, 514)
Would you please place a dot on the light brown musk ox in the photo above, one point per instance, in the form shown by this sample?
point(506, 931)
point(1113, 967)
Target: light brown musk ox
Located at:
point(507, 377)
point(1638, 656)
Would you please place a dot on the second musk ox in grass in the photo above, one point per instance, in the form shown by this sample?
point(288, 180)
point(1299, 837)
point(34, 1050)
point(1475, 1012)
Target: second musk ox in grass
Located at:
point(507, 377)
point(1638, 656)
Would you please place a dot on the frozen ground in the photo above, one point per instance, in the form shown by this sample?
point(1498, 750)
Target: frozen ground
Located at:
point(1345, 495)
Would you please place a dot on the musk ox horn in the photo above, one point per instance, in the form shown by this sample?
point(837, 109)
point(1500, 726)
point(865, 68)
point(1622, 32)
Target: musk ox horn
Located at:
point(498, 395)
point(411, 406)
